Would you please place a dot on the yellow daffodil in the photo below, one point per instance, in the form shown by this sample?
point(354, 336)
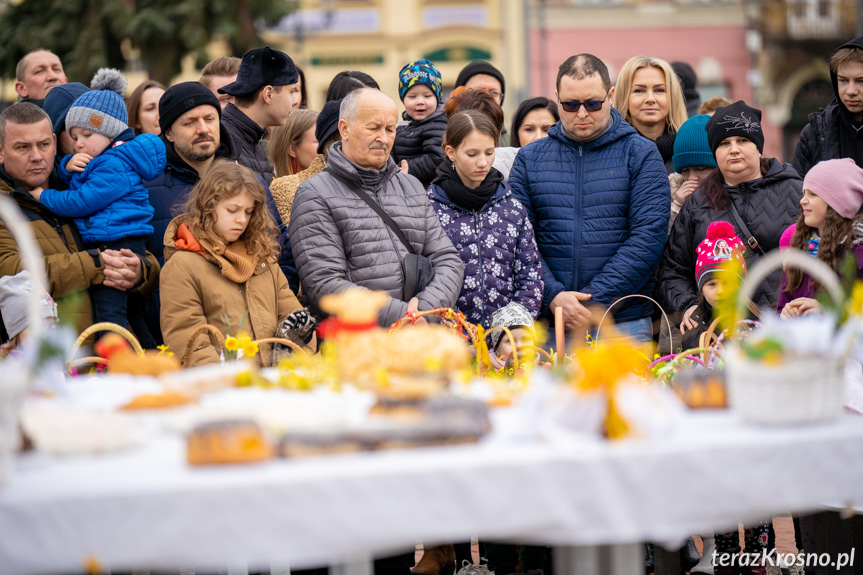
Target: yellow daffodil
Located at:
point(232, 343)
point(482, 359)
point(601, 368)
point(250, 348)
point(163, 350)
point(855, 304)
point(731, 283)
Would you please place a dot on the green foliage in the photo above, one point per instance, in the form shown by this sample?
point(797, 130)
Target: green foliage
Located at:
point(87, 34)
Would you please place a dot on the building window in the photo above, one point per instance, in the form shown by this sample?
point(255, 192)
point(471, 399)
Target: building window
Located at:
point(813, 19)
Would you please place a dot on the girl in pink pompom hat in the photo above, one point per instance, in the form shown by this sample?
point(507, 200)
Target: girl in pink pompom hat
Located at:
point(719, 247)
point(829, 228)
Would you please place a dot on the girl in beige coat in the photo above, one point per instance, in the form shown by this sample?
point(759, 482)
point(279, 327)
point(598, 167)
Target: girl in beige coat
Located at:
point(220, 262)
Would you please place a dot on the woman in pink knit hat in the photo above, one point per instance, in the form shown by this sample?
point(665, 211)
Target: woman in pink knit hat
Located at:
point(829, 229)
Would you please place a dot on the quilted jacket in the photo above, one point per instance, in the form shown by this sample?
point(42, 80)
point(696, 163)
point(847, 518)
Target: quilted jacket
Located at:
point(420, 144)
point(767, 205)
point(108, 199)
point(339, 241)
point(499, 251)
point(600, 211)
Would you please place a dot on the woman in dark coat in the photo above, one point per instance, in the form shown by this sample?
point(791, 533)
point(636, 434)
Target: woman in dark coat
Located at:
point(764, 193)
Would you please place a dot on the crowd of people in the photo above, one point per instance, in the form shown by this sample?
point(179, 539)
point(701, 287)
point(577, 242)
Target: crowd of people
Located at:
point(228, 202)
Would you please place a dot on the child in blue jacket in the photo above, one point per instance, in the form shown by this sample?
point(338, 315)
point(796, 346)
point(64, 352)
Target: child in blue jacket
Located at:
point(106, 194)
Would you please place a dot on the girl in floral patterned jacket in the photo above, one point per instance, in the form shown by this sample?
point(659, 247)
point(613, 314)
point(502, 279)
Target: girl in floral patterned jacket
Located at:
point(487, 225)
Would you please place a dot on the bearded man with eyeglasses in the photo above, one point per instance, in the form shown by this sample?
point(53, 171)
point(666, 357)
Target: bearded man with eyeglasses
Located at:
point(598, 197)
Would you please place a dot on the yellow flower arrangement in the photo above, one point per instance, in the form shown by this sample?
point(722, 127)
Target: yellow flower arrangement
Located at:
point(731, 283)
point(163, 350)
point(601, 367)
point(241, 342)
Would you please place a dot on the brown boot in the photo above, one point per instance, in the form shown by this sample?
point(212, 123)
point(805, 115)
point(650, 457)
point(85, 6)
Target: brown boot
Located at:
point(437, 560)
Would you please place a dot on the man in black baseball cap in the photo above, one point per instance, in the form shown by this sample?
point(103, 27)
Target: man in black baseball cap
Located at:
point(264, 97)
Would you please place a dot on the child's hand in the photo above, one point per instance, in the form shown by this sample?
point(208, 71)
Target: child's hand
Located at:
point(404, 166)
point(800, 306)
point(685, 190)
point(78, 162)
point(688, 323)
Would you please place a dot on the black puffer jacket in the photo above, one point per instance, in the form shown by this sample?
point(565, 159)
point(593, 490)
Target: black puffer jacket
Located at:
point(420, 144)
point(768, 205)
point(246, 142)
point(819, 139)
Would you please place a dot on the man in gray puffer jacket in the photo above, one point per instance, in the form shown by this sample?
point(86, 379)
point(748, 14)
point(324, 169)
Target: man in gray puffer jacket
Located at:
point(339, 241)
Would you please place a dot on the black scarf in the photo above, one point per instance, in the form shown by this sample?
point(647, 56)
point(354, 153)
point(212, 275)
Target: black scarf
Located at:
point(373, 179)
point(464, 197)
point(665, 143)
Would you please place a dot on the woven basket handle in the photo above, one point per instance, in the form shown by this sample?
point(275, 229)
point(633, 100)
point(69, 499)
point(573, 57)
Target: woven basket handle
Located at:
point(641, 296)
point(107, 326)
point(216, 338)
point(794, 257)
point(286, 342)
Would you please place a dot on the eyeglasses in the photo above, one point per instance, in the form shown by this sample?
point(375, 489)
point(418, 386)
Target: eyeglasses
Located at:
point(594, 106)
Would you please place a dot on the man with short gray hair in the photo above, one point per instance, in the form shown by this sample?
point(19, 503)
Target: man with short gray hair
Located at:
point(339, 237)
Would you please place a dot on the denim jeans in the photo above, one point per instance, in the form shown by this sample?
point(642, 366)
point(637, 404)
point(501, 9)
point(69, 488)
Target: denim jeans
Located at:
point(638, 329)
point(112, 305)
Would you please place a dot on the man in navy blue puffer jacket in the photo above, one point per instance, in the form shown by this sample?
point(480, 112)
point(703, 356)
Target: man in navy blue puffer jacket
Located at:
point(597, 194)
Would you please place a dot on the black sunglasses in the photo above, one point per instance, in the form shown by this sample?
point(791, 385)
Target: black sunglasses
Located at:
point(573, 107)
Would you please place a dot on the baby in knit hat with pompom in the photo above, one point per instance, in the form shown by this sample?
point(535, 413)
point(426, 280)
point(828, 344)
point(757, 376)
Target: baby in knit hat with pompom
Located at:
point(106, 194)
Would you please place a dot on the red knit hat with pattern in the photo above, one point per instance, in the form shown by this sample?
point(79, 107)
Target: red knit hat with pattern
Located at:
point(719, 247)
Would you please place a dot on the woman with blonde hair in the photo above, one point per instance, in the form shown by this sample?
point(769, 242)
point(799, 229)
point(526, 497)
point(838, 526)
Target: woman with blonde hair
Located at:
point(649, 96)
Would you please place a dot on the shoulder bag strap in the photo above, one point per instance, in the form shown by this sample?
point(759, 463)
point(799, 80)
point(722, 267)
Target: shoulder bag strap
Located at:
point(750, 239)
point(378, 210)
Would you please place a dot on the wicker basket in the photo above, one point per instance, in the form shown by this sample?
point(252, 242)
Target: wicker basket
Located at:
point(798, 390)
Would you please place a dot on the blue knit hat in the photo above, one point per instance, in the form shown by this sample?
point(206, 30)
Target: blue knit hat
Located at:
point(691, 149)
point(102, 109)
point(59, 100)
point(421, 72)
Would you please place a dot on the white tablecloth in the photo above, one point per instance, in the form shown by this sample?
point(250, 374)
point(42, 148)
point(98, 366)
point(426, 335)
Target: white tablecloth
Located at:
point(148, 508)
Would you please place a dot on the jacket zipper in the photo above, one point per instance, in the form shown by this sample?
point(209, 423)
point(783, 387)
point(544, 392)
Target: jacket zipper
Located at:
point(576, 243)
point(481, 266)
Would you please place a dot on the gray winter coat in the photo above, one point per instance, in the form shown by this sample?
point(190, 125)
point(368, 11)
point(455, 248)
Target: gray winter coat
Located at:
point(338, 241)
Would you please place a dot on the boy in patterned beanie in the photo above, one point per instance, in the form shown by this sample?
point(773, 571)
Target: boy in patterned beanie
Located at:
point(106, 194)
point(419, 142)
